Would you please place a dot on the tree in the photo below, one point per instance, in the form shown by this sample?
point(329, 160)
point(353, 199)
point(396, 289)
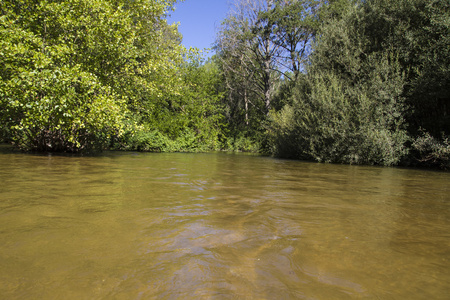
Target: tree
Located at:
point(244, 44)
point(70, 71)
point(192, 118)
point(238, 75)
point(293, 25)
point(349, 107)
point(419, 30)
point(263, 45)
point(49, 103)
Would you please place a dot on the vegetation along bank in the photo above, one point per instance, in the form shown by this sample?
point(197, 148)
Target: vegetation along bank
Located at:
point(345, 81)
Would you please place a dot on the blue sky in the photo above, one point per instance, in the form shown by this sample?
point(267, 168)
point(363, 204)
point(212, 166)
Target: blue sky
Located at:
point(199, 20)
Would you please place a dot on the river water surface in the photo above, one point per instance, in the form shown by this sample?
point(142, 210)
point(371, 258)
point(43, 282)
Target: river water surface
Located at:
point(219, 226)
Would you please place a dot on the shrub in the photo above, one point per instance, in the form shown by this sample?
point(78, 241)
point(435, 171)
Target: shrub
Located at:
point(430, 152)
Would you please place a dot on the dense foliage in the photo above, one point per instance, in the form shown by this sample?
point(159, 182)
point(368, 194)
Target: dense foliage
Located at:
point(372, 88)
point(348, 81)
point(189, 119)
point(349, 106)
point(80, 75)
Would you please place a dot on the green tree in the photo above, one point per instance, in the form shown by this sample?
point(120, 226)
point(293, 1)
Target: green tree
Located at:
point(48, 106)
point(376, 88)
point(263, 45)
point(419, 31)
point(188, 120)
point(195, 111)
point(349, 107)
point(292, 26)
point(70, 71)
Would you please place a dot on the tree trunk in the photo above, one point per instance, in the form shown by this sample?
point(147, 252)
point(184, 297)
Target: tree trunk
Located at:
point(246, 107)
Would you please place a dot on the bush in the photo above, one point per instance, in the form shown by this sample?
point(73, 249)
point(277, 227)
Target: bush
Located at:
point(242, 143)
point(430, 152)
point(140, 138)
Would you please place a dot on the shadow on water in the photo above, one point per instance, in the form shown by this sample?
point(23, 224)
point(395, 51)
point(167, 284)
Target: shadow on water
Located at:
point(125, 225)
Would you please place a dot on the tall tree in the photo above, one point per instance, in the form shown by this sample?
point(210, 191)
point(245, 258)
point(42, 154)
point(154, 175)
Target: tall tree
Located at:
point(69, 70)
point(293, 25)
point(264, 44)
point(420, 30)
point(349, 107)
point(244, 43)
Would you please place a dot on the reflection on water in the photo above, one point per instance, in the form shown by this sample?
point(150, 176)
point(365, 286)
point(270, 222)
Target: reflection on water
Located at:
point(214, 226)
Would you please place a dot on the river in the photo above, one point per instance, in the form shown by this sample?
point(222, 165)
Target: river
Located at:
point(125, 225)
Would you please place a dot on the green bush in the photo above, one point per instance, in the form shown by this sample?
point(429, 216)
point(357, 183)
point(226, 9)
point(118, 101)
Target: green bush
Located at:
point(141, 138)
point(430, 152)
point(242, 143)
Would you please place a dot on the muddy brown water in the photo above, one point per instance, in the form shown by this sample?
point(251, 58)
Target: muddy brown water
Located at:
point(219, 226)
